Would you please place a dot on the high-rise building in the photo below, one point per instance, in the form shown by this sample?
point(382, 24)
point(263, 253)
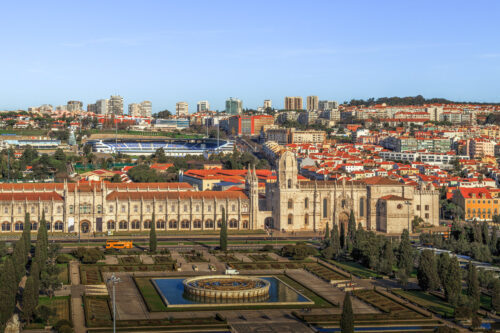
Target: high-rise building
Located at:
point(134, 110)
point(102, 106)
point(202, 106)
point(312, 103)
point(74, 106)
point(115, 105)
point(181, 109)
point(146, 109)
point(293, 103)
point(268, 104)
point(234, 106)
point(327, 105)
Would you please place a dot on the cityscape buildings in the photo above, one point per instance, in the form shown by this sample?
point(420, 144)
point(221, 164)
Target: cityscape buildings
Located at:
point(312, 103)
point(202, 106)
point(181, 109)
point(293, 103)
point(234, 106)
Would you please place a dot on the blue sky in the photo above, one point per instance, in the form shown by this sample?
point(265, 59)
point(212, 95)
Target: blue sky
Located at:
point(169, 51)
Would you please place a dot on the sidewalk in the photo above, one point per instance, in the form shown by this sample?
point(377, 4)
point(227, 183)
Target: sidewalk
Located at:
point(77, 313)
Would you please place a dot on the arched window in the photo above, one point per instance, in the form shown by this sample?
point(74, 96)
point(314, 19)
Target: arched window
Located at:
point(160, 224)
point(49, 226)
point(111, 208)
point(306, 219)
point(6, 226)
point(123, 225)
point(290, 219)
point(172, 224)
point(233, 208)
point(245, 224)
point(290, 203)
point(306, 203)
point(58, 226)
point(148, 208)
point(343, 203)
point(85, 208)
point(34, 226)
point(59, 209)
point(197, 208)
point(111, 225)
point(185, 224)
point(289, 183)
point(19, 209)
point(71, 209)
point(219, 223)
point(362, 207)
point(197, 224)
point(325, 208)
point(147, 224)
point(99, 209)
point(136, 225)
point(209, 224)
point(233, 224)
point(18, 226)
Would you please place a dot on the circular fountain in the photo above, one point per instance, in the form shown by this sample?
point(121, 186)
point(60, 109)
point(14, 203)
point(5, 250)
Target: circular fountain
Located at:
point(226, 286)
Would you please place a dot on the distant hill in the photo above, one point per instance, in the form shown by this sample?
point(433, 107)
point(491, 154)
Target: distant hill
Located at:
point(410, 100)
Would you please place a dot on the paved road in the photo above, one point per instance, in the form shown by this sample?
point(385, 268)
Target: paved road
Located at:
point(77, 312)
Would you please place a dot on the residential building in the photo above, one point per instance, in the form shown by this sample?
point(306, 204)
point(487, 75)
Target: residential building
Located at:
point(74, 106)
point(327, 105)
point(268, 104)
point(234, 106)
point(115, 105)
point(480, 147)
point(202, 106)
point(181, 109)
point(134, 110)
point(249, 125)
point(477, 203)
point(293, 103)
point(102, 106)
point(312, 103)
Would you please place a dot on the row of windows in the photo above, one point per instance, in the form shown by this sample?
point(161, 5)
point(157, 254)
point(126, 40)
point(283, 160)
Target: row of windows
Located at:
point(325, 206)
point(32, 209)
point(19, 226)
point(87, 208)
point(172, 224)
point(485, 201)
point(426, 207)
point(479, 211)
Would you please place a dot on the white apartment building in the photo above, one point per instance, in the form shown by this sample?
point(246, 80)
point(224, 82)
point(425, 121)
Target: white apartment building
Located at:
point(202, 106)
point(181, 109)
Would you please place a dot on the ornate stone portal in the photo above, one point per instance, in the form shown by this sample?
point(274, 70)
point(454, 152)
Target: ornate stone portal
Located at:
point(226, 286)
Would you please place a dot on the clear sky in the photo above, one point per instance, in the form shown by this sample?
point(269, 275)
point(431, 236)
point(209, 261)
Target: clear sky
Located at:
point(169, 51)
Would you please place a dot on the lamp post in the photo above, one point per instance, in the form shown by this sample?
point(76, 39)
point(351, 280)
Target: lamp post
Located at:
point(408, 203)
point(114, 280)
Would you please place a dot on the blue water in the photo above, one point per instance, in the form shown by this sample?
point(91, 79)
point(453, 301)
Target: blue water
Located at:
point(173, 290)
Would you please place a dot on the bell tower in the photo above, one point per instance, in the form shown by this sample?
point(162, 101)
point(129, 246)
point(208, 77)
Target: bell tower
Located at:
point(287, 171)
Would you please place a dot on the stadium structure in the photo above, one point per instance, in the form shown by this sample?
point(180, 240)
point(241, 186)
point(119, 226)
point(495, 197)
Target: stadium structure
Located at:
point(172, 147)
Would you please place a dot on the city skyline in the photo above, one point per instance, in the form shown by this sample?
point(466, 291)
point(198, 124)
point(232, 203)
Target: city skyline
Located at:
point(388, 49)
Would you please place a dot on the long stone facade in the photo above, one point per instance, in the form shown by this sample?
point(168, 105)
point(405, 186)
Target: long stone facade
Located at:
point(288, 204)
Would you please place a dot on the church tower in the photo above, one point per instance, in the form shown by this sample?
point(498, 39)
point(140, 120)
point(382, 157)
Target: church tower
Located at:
point(252, 189)
point(287, 171)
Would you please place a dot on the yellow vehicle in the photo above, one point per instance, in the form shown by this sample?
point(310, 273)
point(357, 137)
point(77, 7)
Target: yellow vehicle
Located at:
point(111, 244)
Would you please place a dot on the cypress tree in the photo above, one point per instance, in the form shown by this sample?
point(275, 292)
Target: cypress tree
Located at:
point(347, 316)
point(387, 261)
point(327, 232)
point(335, 240)
point(8, 290)
point(19, 258)
point(342, 236)
point(495, 295)
point(42, 243)
point(351, 227)
point(485, 233)
point(29, 303)
point(35, 273)
point(223, 232)
point(405, 257)
point(494, 240)
point(27, 232)
point(453, 282)
point(152, 236)
point(427, 271)
point(443, 266)
point(473, 288)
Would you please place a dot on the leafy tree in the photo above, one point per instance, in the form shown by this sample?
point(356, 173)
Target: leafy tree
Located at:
point(49, 282)
point(223, 232)
point(60, 155)
point(387, 262)
point(163, 114)
point(160, 156)
point(29, 303)
point(44, 313)
point(473, 291)
point(405, 257)
point(152, 236)
point(347, 316)
point(427, 274)
point(116, 179)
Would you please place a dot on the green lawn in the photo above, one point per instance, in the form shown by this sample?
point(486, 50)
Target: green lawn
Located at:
point(428, 301)
point(356, 269)
point(64, 274)
point(150, 295)
point(61, 304)
point(485, 300)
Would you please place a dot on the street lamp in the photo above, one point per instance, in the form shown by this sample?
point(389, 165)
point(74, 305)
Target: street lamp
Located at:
point(114, 280)
point(408, 203)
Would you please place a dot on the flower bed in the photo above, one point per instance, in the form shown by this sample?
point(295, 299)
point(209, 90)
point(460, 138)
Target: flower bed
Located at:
point(386, 305)
point(129, 260)
point(324, 272)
